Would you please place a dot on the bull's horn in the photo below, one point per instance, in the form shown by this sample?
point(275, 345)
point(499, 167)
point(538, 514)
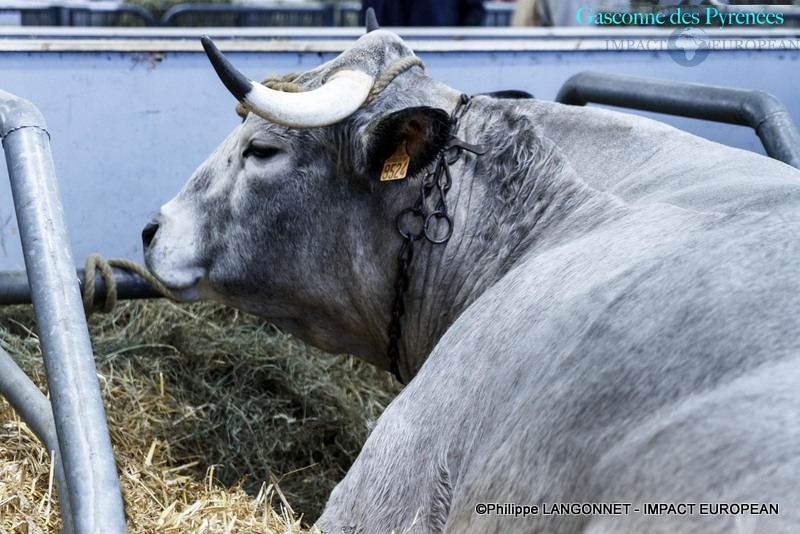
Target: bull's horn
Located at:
point(337, 99)
point(372, 20)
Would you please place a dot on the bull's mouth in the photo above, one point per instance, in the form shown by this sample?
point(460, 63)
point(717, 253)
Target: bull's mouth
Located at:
point(185, 294)
point(200, 289)
point(184, 285)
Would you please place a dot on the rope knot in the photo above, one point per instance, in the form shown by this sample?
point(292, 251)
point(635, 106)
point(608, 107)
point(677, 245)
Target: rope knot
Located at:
point(94, 263)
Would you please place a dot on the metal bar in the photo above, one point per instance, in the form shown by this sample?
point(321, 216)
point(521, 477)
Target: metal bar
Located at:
point(92, 482)
point(757, 109)
point(34, 408)
point(14, 288)
point(261, 15)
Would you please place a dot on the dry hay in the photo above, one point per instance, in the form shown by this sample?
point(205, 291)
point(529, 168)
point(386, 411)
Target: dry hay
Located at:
point(214, 416)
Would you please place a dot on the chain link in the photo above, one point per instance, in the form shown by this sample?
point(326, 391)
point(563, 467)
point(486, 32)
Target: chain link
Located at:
point(404, 259)
point(430, 212)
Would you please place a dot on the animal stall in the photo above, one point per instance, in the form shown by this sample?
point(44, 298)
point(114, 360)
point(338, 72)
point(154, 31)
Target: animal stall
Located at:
point(135, 112)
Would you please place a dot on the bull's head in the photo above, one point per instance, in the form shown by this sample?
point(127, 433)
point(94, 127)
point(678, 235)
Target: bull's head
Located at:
point(287, 218)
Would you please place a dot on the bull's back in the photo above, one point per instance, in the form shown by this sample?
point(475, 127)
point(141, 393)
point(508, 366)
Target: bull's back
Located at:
point(651, 360)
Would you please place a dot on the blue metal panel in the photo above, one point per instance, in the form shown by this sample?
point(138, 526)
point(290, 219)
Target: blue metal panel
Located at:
point(128, 128)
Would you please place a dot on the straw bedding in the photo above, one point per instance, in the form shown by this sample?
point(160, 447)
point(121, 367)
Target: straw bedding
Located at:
point(219, 422)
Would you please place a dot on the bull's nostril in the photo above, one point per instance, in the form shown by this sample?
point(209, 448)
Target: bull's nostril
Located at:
point(148, 234)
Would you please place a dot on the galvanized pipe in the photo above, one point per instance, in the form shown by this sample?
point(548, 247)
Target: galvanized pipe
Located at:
point(34, 408)
point(14, 288)
point(92, 482)
point(757, 109)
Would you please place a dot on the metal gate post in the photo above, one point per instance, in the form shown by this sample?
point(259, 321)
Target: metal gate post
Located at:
point(34, 408)
point(91, 477)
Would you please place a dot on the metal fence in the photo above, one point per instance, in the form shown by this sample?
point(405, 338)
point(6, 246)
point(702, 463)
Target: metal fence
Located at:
point(204, 15)
point(49, 14)
point(498, 13)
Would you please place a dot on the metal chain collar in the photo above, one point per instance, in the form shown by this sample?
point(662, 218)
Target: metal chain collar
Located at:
point(430, 219)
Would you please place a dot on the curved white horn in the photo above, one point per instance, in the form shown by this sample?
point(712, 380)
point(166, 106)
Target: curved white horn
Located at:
point(337, 99)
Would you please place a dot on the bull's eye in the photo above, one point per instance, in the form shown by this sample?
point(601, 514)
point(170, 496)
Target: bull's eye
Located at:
point(260, 151)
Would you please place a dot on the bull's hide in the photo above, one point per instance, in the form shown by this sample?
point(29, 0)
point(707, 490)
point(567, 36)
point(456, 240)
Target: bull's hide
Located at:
point(614, 320)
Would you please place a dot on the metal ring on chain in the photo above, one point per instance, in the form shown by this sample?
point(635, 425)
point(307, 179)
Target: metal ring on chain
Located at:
point(442, 216)
point(433, 191)
point(455, 155)
point(416, 212)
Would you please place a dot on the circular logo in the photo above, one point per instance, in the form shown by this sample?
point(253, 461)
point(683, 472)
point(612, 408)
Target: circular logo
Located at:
point(688, 46)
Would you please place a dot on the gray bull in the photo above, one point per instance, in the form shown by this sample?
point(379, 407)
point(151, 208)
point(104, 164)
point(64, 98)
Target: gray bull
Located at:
point(614, 319)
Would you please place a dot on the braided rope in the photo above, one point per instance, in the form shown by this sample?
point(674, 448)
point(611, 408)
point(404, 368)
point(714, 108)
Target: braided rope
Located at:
point(283, 82)
point(95, 262)
point(397, 68)
point(278, 82)
point(286, 83)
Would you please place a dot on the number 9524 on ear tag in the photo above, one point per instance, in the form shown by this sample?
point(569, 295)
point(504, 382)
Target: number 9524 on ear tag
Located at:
point(396, 167)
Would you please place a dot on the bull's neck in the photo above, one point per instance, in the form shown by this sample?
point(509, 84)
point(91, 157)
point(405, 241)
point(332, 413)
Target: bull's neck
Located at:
point(505, 204)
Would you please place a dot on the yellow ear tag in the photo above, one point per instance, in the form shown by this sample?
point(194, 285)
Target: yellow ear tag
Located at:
point(396, 167)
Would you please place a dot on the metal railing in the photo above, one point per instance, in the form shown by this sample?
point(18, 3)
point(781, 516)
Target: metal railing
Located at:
point(73, 425)
point(203, 15)
point(67, 14)
point(498, 13)
point(15, 289)
point(757, 109)
point(323, 14)
point(108, 15)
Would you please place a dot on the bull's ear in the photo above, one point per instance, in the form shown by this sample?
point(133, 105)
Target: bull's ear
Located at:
point(419, 132)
